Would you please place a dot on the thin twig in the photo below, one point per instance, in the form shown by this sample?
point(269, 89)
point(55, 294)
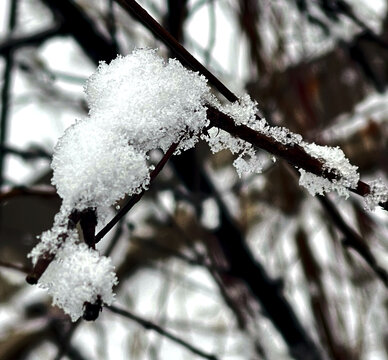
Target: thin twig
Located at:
point(148, 325)
point(135, 198)
point(293, 154)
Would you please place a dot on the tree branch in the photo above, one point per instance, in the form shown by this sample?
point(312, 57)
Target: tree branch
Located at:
point(47, 192)
point(293, 154)
point(180, 52)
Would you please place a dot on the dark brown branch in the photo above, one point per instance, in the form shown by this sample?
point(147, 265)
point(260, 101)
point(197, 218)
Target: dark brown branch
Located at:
point(293, 154)
point(28, 191)
point(148, 325)
point(42, 264)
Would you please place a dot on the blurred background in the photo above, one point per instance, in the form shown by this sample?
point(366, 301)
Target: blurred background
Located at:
point(242, 268)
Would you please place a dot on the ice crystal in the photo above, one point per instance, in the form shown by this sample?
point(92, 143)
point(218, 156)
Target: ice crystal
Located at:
point(320, 185)
point(334, 160)
point(244, 112)
point(378, 194)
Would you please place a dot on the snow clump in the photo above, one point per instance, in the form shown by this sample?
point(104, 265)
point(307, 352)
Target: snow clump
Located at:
point(137, 103)
point(378, 194)
point(77, 275)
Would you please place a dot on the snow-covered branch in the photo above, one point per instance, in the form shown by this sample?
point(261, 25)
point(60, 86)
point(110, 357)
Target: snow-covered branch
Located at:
point(139, 103)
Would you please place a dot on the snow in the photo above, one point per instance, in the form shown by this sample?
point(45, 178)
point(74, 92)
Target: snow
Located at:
point(378, 194)
point(319, 185)
point(137, 103)
point(76, 275)
point(333, 160)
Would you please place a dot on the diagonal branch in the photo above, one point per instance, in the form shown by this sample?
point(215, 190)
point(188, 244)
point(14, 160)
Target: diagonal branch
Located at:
point(353, 240)
point(180, 52)
point(148, 325)
point(293, 154)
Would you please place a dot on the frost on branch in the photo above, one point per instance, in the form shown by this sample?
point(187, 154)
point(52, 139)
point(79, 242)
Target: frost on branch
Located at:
point(378, 194)
point(333, 159)
point(242, 112)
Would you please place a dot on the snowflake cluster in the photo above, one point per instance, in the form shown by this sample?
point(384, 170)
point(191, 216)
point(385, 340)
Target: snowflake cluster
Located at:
point(77, 275)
